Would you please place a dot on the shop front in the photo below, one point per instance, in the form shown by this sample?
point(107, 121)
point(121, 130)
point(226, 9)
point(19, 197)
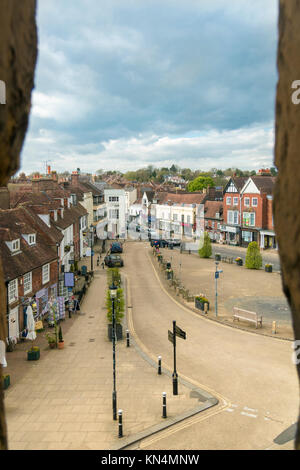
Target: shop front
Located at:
point(232, 235)
point(268, 240)
point(248, 236)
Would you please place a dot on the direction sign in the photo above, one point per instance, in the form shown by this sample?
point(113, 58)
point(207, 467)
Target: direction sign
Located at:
point(179, 332)
point(170, 336)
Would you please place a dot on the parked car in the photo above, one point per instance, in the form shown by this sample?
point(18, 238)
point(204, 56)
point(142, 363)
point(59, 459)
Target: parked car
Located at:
point(173, 241)
point(113, 260)
point(116, 247)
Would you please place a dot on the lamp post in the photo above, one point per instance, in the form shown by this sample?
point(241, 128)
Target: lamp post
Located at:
point(113, 295)
point(91, 238)
point(217, 273)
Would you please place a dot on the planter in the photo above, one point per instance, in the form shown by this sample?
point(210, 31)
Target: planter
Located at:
point(268, 269)
point(169, 274)
point(61, 344)
point(5, 381)
point(119, 331)
point(200, 304)
point(239, 262)
point(52, 345)
point(217, 257)
point(33, 354)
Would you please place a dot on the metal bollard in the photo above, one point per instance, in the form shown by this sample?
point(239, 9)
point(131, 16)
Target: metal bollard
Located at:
point(120, 423)
point(127, 338)
point(274, 331)
point(164, 407)
point(159, 365)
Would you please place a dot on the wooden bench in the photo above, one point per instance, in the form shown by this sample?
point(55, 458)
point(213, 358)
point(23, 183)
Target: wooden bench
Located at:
point(241, 314)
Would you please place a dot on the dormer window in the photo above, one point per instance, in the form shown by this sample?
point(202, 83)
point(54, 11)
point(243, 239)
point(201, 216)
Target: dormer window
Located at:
point(15, 245)
point(32, 239)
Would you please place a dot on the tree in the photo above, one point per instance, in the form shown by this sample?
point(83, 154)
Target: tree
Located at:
point(205, 251)
point(253, 256)
point(200, 183)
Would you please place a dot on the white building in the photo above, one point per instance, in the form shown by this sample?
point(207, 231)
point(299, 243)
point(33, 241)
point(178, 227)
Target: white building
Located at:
point(115, 200)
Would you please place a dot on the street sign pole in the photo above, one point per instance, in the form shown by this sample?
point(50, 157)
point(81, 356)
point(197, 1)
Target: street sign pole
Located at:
point(216, 279)
point(175, 375)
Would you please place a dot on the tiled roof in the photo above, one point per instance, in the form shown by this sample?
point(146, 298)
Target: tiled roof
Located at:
point(181, 198)
point(264, 183)
point(30, 256)
point(211, 208)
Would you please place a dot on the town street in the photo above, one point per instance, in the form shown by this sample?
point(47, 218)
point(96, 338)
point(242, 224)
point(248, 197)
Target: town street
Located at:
point(253, 376)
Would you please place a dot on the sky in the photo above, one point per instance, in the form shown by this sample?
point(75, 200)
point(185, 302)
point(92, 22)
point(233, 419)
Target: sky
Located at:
point(120, 85)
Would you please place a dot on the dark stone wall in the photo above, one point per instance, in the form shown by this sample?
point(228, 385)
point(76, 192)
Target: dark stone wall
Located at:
point(18, 54)
point(287, 159)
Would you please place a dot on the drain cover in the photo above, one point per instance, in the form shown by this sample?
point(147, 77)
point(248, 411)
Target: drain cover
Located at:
point(91, 340)
point(72, 344)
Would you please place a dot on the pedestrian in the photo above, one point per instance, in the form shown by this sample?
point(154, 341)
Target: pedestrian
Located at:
point(102, 264)
point(98, 260)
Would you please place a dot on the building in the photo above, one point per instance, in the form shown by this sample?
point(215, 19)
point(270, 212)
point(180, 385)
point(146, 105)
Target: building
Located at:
point(247, 211)
point(30, 266)
point(213, 217)
point(115, 200)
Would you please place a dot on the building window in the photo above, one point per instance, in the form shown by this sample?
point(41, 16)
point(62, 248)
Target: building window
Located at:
point(247, 201)
point(249, 219)
point(45, 273)
point(12, 291)
point(228, 201)
point(32, 239)
point(235, 201)
point(15, 246)
point(114, 214)
point(233, 217)
point(175, 218)
point(188, 219)
point(113, 198)
point(254, 202)
point(27, 280)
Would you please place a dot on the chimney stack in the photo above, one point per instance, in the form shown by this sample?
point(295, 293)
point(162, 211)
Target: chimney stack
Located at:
point(75, 178)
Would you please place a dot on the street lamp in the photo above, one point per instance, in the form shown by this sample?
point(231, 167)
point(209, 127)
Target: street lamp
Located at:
point(113, 295)
point(91, 238)
point(217, 273)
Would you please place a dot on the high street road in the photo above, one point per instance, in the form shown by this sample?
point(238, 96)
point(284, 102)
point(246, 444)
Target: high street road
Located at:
point(253, 376)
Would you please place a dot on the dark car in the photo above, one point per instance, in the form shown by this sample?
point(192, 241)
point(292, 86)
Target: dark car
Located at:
point(116, 248)
point(113, 260)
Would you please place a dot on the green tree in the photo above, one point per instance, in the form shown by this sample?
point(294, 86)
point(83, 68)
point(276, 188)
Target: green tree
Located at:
point(205, 251)
point(200, 183)
point(253, 256)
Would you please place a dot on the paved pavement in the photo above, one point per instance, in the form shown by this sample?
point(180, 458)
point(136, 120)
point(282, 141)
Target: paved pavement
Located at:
point(268, 256)
point(238, 286)
point(64, 400)
point(253, 376)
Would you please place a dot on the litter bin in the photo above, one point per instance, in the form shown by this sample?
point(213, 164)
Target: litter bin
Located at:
point(83, 270)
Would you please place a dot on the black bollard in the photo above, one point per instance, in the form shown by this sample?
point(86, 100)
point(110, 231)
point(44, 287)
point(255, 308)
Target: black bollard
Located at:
point(164, 407)
point(127, 338)
point(159, 365)
point(120, 423)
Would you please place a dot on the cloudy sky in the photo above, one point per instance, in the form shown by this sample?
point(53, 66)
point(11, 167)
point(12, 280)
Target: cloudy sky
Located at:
point(124, 84)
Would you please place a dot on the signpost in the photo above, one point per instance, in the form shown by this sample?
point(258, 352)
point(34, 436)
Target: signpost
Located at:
point(172, 338)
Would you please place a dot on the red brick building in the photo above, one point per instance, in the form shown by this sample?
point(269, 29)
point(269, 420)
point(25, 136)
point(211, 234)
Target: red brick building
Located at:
point(30, 267)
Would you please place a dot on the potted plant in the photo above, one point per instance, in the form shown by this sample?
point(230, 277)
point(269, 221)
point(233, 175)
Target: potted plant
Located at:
point(67, 248)
point(239, 261)
point(61, 342)
point(169, 274)
point(253, 257)
point(200, 300)
point(217, 257)
point(51, 340)
point(33, 354)
point(119, 313)
point(5, 381)
point(268, 267)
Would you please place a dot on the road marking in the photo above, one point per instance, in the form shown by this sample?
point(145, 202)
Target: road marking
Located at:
point(249, 409)
point(248, 414)
point(230, 409)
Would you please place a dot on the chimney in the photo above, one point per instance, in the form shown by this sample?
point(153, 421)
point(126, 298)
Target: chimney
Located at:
point(75, 178)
